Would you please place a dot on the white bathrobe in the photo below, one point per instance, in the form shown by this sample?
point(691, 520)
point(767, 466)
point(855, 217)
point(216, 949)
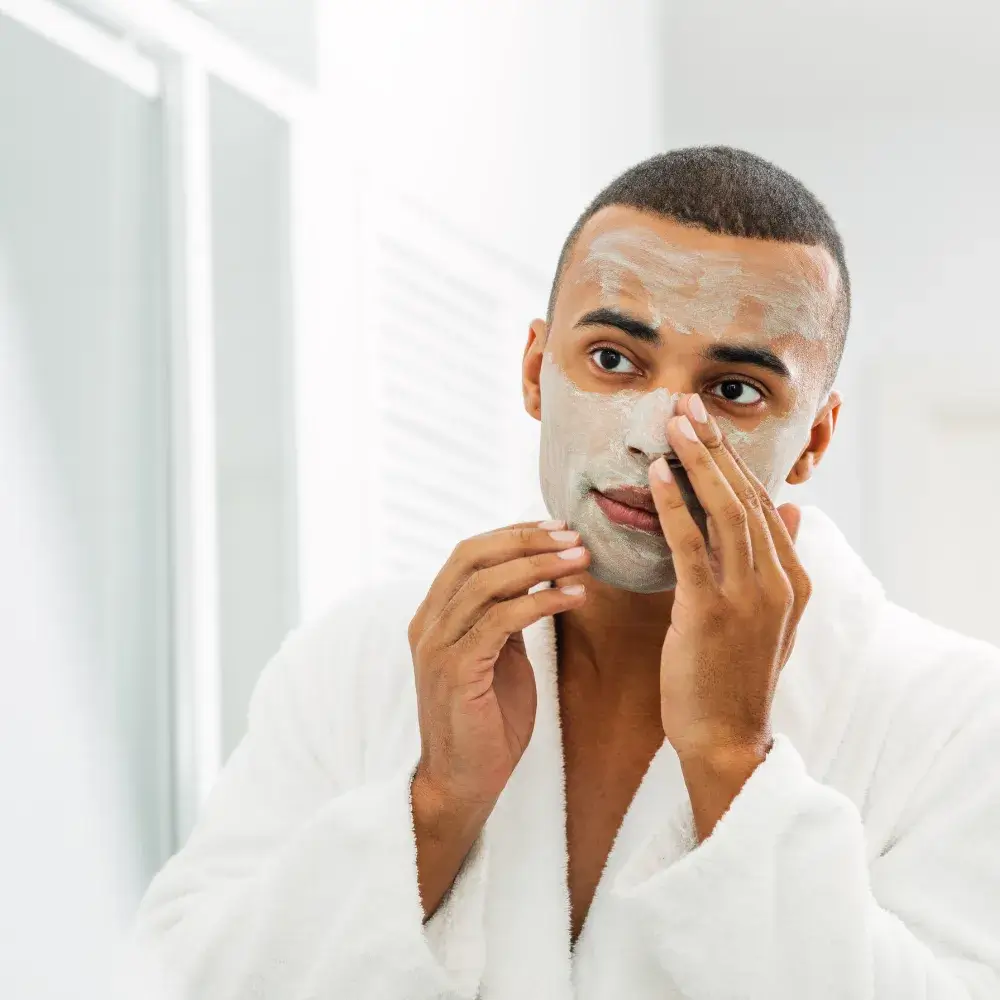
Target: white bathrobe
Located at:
point(860, 861)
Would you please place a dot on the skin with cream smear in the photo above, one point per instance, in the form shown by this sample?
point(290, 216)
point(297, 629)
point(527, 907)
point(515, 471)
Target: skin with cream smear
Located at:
point(604, 396)
point(709, 291)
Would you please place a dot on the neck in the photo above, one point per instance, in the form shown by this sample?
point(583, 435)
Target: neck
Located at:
point(614, 640)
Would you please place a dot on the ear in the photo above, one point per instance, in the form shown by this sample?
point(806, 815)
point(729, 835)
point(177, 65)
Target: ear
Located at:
point(819, 440)
point(531, 368)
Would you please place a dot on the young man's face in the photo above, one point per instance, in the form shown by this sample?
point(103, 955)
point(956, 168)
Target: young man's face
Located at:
point(648, 309)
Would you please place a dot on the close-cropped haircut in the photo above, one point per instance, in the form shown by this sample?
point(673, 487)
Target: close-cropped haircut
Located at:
point(731, 192)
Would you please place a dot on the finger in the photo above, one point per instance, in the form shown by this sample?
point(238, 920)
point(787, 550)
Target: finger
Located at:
point(788, 519)
point(489, 633)
point(547, 525)
point(494, 584)
point(748, 488)
point(784, 523)
point(716, 494)
point(791, 516)
point(692, 565)
point(783, 526)
point(489, 549)
point(713, 545)
point(782, 540)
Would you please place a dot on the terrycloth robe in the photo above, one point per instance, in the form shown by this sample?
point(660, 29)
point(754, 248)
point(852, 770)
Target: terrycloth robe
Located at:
point(860, 861)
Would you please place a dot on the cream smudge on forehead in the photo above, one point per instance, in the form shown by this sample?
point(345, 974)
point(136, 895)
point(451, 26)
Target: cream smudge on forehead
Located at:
point(707, 291)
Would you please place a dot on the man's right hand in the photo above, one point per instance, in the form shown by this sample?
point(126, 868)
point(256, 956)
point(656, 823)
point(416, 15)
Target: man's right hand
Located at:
point(476, 694)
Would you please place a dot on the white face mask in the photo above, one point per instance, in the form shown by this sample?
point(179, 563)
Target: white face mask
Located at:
point(585, 444)
point(705, 291)
point(595, 440)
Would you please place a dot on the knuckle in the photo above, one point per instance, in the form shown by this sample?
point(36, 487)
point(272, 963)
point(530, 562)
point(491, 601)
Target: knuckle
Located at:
point(465, 643)
point(782, 596)
point(487, 619)
point(735, 514)
point(525, 535)
point(421, 649)
point(716, 619)
point(474, 585)
point(475, 632)
point(701, 575)
point(675, 501)
point(704, 460)
point(543, 600)
point(542, 561)
point(692, 544)
point(750, 497)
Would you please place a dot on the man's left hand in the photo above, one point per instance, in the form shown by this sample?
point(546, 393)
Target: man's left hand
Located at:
point(737, 603)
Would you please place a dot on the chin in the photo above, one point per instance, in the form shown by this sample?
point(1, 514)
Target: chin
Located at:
point(624, 573)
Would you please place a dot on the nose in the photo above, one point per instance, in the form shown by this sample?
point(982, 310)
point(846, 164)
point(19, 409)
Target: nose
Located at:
point(646, 436)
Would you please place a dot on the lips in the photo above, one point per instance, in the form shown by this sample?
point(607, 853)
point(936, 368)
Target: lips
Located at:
point(641, 498)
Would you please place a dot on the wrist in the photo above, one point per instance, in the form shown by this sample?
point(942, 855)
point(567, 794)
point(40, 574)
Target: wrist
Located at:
point(441, 815)
point(727, 754)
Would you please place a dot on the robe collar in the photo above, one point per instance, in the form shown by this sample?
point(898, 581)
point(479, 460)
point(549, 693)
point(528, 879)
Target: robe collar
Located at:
point(527, 910)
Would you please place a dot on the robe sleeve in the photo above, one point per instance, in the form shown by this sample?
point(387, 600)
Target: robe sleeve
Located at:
point(300, 882)
point(781, 903)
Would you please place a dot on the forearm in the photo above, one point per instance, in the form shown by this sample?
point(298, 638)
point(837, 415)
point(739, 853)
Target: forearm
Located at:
point(445, 833)
point(714, 778)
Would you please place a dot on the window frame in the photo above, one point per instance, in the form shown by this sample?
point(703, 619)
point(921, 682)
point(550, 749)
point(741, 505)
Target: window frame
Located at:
point(169, 54)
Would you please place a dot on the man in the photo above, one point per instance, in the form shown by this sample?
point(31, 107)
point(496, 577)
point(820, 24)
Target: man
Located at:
point(661, 739)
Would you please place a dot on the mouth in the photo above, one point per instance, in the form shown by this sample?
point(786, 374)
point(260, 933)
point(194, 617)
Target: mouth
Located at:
point(639, 497)
point(629, 506)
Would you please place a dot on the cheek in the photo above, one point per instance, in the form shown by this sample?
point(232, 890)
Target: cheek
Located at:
point(577, 425)
point(770, 449)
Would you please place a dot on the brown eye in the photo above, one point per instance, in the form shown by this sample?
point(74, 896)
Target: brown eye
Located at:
point(736, 391)
point(607, 358)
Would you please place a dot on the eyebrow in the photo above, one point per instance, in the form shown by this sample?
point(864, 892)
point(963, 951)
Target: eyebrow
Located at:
point(731, 354)
point(622, 321)
point(761, 357)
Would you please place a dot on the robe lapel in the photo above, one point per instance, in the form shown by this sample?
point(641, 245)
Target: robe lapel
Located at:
point(818, 686)
point(527, 904)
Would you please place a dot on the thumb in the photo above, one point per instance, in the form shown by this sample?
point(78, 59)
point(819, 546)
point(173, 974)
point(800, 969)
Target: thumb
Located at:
point(792, 518)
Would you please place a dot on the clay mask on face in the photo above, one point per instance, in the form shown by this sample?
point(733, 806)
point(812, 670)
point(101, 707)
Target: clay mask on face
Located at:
point(706, 291)
point(585, 445)
point(595, 440)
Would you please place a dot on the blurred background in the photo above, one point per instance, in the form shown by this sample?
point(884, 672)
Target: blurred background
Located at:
point(266, 273)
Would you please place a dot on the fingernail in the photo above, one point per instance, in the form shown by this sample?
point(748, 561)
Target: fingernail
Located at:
point(571, 553)
point(552, 524)
point(661, 470)
point(684, 425)
point(698, 410)
point(565, 536)
point(574, 589)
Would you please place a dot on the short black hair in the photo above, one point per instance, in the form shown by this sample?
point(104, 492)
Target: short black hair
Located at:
point(727, 191)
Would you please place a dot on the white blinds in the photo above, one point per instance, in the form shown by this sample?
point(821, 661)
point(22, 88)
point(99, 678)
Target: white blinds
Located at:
point(448, 321)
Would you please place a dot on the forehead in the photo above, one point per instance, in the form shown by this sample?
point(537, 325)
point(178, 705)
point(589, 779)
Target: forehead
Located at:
point(697, 282)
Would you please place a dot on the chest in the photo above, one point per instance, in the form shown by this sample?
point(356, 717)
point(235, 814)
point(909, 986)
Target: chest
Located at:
point(606, 756)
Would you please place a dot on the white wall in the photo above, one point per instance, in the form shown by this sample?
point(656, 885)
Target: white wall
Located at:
point(84, 738)
point(889, 111)
point(281, 32)
point(509, 116)
point(504, 119)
